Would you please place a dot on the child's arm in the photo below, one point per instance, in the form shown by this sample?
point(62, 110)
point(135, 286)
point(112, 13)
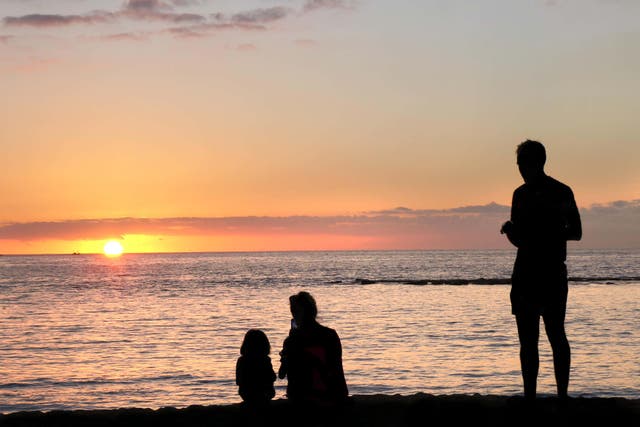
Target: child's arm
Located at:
point(239, 372)
point(273, 374)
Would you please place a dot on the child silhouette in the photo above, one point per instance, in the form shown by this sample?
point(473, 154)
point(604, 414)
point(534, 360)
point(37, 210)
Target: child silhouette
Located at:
point(254, 372)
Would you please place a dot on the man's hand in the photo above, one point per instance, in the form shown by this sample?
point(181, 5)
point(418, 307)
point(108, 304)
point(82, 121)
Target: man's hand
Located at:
point(507, 228)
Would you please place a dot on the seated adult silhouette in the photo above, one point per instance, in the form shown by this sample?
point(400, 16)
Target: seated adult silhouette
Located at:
point(311, 357)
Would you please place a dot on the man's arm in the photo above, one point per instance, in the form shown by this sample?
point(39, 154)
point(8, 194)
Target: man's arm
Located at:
point(510, 228)
point(573, 230)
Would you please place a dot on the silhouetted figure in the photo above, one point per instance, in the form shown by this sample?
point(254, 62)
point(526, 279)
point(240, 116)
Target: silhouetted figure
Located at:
point(254, 372)
point(311, 357)
point(544, 216)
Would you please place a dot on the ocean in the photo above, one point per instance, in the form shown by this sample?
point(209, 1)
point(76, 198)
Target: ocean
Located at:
point(155, 330)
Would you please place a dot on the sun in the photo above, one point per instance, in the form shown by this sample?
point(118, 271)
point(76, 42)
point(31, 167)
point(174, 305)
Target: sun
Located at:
point(112, 248)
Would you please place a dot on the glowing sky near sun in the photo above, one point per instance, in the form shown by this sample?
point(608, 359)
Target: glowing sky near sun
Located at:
point(150, 109)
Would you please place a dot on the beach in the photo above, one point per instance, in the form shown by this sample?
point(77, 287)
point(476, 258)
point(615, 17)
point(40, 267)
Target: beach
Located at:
point(362, 410)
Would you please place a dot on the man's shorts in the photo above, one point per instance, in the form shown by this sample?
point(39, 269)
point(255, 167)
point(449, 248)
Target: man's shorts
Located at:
point(540, 291)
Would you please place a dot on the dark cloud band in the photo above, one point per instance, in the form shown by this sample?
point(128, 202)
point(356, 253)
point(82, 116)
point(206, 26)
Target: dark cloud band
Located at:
point(190, 24)
point(608, 225)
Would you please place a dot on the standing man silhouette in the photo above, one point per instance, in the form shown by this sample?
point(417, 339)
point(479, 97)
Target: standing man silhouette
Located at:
point(544, 216)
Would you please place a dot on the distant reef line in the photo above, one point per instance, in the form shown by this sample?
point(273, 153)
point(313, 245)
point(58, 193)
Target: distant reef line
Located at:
point(488, 281)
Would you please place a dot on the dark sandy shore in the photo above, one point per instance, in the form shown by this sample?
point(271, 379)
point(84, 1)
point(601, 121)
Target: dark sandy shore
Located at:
point(375, 410)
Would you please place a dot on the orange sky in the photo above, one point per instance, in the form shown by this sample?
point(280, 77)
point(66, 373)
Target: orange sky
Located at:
point(307, 108)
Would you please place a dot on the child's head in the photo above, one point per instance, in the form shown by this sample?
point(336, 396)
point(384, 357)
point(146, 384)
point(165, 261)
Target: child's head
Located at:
point(255, 343)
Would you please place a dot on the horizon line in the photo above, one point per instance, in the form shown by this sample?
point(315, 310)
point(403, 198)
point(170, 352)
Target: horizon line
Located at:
point(621, 248)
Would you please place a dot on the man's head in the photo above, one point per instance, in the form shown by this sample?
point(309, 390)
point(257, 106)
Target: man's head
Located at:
point(531, 159)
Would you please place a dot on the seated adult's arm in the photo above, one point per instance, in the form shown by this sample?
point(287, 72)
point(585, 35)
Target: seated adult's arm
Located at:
point(284, 362)
point(341, 383)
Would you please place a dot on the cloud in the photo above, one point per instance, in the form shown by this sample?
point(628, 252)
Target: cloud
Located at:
point(311, 5)
point(160, 5)
point(125, 37)
point(157, 10)
point(491, 208)
point(204, 30)
point(395, 228)
point(141, 10)
point(251, 20)
point(615, 224)
point(98, 228)
point(484, 209)
point(614, 208)
point(187, 2)
point(167, 11)
point(186, 32)
point(261, 16)
point(45, 20)
point(146, 5)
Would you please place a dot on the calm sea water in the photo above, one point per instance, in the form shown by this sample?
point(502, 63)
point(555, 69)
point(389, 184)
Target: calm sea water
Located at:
point(154, 330)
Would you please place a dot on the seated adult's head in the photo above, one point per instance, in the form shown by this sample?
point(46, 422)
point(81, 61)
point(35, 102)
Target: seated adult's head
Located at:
point(303, 309)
